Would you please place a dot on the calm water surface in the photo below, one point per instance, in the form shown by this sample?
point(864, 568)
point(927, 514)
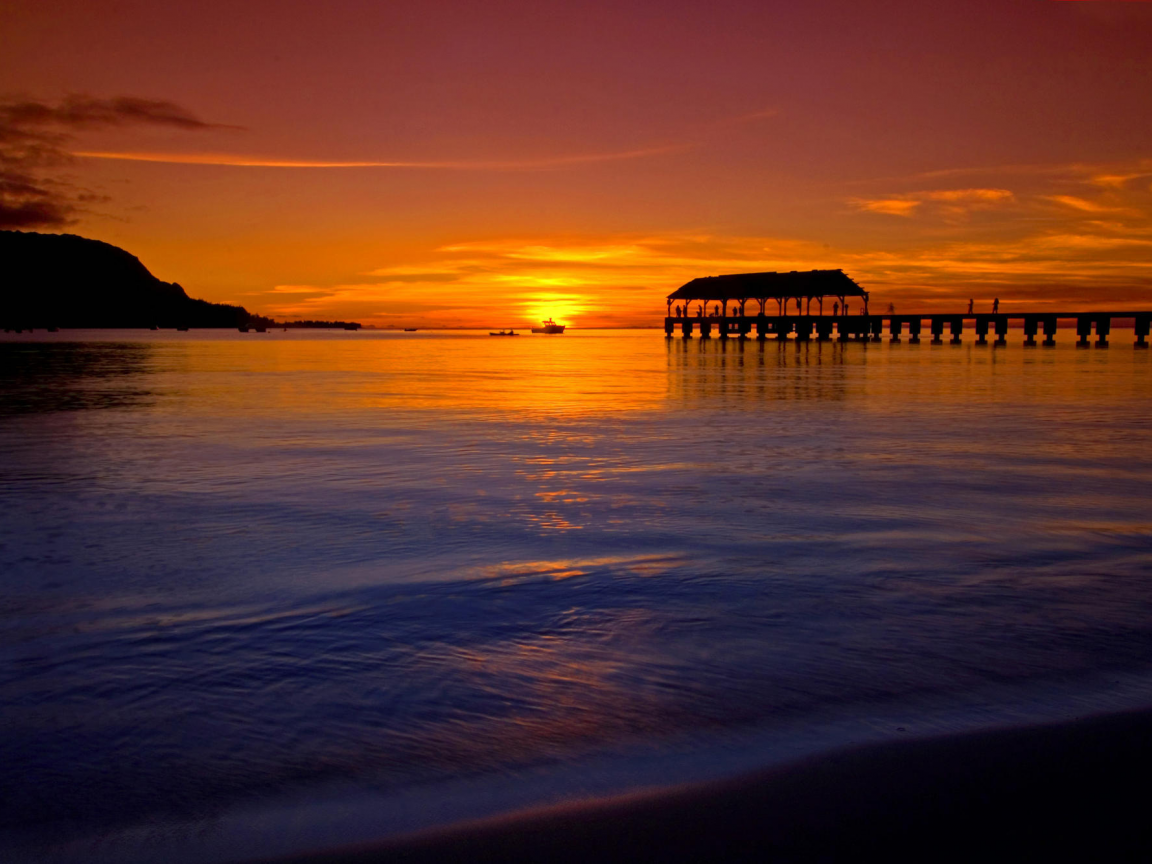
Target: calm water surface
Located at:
point(266, 591)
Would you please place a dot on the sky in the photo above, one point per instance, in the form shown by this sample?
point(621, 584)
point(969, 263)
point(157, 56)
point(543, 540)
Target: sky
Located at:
point(445, 163)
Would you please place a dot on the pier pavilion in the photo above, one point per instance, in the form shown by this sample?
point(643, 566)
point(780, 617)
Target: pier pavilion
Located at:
point(794, 292)
point(784, 288)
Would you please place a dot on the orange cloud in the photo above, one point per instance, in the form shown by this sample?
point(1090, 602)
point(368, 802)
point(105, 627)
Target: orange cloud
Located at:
point(1083, 204)
point(239, 161)
point(887, 206)
point(951, 201)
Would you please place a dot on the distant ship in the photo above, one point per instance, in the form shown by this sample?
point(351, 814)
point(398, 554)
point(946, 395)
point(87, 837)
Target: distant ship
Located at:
point(549, 326)
point(509, 333)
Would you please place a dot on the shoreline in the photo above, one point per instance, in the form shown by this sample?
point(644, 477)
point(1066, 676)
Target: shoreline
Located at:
point(1068, 791)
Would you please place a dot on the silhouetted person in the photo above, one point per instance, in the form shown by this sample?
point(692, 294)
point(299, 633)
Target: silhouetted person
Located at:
point(995, 305)
point(891, 308)
point(699, 311)
point(970, 307)
point(716, 311)
point(835, 309)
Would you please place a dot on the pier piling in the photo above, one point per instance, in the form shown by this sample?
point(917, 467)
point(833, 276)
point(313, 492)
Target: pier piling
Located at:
point(956, 327)
point(1103, 328)
point(1031, 326)
point(1083, 330)
point(981, 330)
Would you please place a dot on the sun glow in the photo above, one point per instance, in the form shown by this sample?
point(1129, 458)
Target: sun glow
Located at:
point(562, 308)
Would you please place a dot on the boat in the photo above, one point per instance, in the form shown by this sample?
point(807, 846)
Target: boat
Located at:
point(261, 329)
point(409, 329)
point(242, 329)
point(549, 326)
point(503, 333)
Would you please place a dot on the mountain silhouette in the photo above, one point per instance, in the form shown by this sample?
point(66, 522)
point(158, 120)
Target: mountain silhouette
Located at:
point(62, 280)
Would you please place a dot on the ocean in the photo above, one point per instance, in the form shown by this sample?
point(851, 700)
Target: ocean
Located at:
point(265, 593)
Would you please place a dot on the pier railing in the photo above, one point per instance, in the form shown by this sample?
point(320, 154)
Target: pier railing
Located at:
point(871, 328)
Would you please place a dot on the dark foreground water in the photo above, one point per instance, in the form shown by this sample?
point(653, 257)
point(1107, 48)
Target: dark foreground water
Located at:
point(263, 592)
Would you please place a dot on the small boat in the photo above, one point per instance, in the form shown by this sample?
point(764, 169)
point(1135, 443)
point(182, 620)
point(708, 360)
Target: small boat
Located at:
point(242, 329)
point(261, 329)
point(503, 333)
point(549, 326)
point(409, 329)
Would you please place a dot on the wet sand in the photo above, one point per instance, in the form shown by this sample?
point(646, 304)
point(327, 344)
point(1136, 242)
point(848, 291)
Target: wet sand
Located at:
point(1079, 791)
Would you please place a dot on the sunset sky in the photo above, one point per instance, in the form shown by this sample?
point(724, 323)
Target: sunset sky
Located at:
point(492, 163)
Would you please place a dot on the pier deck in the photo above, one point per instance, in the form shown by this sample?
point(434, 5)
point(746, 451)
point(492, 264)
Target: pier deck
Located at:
point(872, 327)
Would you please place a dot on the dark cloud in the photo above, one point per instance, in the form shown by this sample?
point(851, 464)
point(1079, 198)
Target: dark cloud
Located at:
point(34, 140)
point(23, 204)
point(78, 111)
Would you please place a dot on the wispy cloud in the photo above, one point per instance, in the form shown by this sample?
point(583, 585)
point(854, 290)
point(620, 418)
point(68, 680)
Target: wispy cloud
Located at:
point(235, 161)
point(692, 141)
point(34, 141)
point(79, 111)
point(1084, 205)
point(887, 206)
point(951, 202)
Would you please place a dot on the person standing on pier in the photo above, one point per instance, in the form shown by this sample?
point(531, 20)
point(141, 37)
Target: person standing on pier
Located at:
point(995, 305)
point(970, 302)
point(835, 308)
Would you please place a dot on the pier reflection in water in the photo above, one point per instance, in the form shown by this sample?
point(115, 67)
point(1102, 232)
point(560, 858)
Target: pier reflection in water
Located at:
point(741, 374)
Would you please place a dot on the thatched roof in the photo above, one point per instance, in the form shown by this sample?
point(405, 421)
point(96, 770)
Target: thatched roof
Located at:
point(770, 286)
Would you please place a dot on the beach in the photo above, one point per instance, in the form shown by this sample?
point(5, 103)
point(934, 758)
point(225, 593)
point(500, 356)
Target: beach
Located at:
point(1069, 792)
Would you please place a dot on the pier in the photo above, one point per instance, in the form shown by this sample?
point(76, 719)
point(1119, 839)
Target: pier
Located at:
point(713, 295)
point(872, 328)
